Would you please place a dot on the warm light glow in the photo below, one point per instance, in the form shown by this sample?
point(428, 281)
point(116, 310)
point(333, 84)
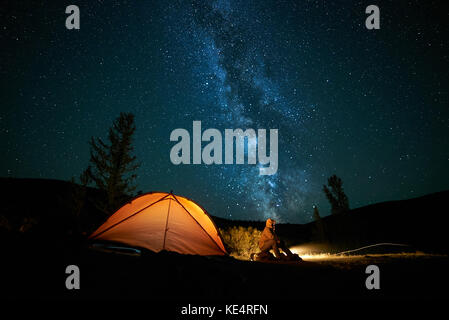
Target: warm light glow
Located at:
point(323, 256)
point(309, 249)
point(312, 252)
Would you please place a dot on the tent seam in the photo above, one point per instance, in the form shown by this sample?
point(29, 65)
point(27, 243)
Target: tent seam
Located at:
point(200, 225)
point(134, 214)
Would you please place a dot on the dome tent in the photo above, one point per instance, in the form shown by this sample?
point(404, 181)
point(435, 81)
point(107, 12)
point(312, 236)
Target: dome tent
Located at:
point(163, 221)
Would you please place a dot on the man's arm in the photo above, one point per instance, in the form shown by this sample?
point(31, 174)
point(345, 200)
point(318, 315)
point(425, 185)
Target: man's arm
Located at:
point(275, 237)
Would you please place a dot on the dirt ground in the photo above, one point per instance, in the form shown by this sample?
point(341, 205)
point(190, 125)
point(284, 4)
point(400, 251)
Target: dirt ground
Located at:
point(40, 274)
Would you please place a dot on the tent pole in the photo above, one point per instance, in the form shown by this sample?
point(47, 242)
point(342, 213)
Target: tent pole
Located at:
point(166, 223)
point(207, 233)
point(116, 224)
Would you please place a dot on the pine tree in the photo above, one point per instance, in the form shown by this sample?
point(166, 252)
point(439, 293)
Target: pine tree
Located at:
point(336, 196)
point(112, 164)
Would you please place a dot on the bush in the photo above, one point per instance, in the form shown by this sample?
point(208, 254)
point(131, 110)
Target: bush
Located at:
point(240, 241)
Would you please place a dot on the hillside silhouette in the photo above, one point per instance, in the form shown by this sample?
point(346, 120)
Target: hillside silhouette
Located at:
point(42, 208)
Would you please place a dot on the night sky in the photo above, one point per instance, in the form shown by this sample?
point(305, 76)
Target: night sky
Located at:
point(368, 105)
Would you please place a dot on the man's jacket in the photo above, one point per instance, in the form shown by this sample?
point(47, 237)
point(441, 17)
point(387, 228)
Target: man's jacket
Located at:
point(267, 233)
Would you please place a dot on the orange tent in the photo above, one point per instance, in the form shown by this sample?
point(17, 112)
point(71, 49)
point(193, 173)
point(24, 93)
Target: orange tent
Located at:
point(163, 221)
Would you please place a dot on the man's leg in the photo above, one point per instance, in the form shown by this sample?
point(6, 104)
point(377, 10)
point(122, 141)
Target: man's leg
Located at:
point(290, 255)
point(285, 248)
point(271, 244)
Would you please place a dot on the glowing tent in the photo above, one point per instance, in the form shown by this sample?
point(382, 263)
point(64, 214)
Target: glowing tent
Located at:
point(163, 221)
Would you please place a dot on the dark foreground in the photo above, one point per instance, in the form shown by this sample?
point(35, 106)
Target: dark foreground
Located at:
point(38, 272)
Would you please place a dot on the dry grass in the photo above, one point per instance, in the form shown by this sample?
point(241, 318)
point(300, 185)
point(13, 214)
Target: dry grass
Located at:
point(240, 241)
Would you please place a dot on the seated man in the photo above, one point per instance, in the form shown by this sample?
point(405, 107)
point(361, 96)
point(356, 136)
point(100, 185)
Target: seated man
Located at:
point(270, 241)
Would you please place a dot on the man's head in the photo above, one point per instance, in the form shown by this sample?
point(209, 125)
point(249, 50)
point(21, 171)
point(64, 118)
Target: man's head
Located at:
point(270, 223)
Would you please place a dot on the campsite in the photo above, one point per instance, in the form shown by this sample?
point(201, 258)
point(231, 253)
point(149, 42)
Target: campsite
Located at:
point(35, 258)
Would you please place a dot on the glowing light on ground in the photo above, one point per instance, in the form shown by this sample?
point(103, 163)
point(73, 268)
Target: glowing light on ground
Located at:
point(318, 253)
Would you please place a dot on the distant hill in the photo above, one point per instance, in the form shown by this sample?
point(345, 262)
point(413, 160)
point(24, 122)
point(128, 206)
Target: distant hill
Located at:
point(418, 222)
point(46, 208)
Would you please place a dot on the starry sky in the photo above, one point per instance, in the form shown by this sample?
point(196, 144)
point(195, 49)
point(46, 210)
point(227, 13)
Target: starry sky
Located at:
point(368, 105)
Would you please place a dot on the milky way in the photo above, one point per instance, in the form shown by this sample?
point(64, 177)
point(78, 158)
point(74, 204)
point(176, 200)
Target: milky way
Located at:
point(229, 52)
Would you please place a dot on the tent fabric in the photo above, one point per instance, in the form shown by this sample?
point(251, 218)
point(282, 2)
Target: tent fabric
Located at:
point(163, 221)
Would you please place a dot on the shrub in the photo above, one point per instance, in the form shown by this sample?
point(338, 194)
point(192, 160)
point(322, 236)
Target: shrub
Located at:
point(240, 241)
